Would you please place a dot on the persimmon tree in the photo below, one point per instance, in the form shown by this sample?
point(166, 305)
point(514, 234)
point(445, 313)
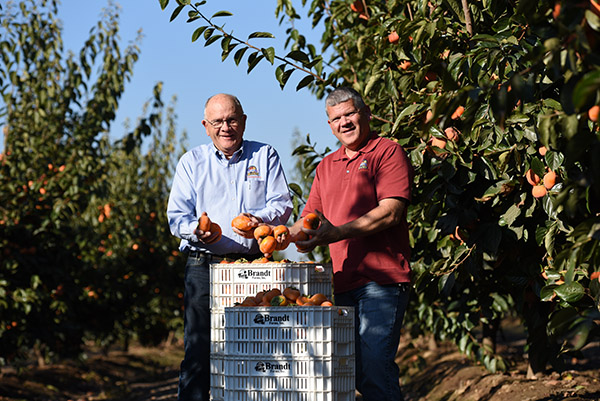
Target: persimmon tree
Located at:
point(479, 94)
point(84, 249)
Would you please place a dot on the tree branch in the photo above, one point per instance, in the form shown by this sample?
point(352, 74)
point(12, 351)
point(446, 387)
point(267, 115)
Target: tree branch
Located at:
point(468, 20)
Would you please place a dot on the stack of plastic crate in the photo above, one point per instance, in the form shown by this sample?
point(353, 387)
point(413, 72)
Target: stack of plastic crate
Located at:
point(289, 353)
point(232, 282)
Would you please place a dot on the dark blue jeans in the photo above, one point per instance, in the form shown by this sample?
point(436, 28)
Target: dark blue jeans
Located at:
point(194, 374)
point(379, 311)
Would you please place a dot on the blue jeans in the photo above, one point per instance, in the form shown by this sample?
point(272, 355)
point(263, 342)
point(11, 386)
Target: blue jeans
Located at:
point(379, 311)
point(194, 374)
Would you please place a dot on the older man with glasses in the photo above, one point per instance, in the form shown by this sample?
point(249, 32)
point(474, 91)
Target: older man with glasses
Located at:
point(226, 178)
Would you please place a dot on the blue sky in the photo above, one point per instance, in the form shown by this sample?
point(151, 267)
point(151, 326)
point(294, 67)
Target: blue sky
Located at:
point(194, 72)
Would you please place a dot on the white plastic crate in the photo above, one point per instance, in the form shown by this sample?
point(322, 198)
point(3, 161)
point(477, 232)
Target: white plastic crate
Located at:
point(217, 376)
point(321, 331)
point(217, 331)
point(289, 379)
point(232, 282)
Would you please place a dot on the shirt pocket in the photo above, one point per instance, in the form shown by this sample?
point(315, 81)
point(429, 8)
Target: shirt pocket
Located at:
point(255, 194)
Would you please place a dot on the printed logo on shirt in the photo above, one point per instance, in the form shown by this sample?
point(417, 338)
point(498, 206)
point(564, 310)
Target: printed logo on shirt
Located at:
point(252, 172)
point(363, 165)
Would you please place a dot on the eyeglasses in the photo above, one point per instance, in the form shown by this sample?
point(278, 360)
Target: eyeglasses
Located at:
point(232, 122)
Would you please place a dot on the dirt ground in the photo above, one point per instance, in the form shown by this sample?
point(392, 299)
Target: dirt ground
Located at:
point(434, 372)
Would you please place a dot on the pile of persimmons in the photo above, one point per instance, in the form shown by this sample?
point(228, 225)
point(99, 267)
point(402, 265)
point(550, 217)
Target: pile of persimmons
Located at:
point(290, 296)
point(270, 239)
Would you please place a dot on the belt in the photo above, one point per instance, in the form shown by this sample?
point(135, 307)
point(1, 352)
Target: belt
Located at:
point(211, 257)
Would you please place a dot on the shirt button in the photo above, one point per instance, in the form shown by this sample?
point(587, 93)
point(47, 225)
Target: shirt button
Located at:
point(347, 171)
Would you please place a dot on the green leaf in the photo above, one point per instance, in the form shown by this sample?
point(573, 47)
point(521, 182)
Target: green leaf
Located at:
point(163, 4)
point(298, 56)
point(296, 189)
point(570, 292)
point(498, 188)
point(511, 215)
point(283, 76)
point(260, 35)
point(547, 293)
point(212, 40)
point(586, 88)
point(269, 54)
point(305, 81)
point(407, 111)
point(221, 14)
point(373, 79)
point(554, 160)
point(197, 33)
point(239, 55)
point(253, 60)
point(176, 12)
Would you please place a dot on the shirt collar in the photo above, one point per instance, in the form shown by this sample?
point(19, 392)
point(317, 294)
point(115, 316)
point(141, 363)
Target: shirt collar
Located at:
point(237, 155)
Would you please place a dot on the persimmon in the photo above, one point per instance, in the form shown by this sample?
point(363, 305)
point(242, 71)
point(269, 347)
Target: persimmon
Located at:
point(451, 133)
point(301, 300)
point(262, 231)
point(311, 221)
point(327, 303)
point(556, 10)
point(279, 300)
point(204, 222)
point(318, 298)
point(259, 296)
point(549, 179)
point(438, 142)
point(539, 191)
point(280, 246)
point(291, 293)
point(594, 111)
point(268, 244)
point(242, 222)
point(261, 260)
point(393, 37)
point(458, 112)
point(532, 177)
point(543, 150)
point(595, 276)
point(357, 6)
point(272, 293)
point(215, 228)
point(404, 65)
point(280, 230)
point(249, 301)
point(301, 236)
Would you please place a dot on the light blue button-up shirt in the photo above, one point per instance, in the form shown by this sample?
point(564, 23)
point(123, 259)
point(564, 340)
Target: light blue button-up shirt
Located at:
point(251, 181)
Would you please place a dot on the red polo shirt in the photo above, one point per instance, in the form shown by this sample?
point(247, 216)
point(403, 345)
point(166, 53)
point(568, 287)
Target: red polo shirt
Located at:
point(345, 189)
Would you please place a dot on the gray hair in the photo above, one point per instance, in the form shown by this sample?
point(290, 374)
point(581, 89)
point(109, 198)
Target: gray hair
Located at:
point(343, 94)
point(234, 99)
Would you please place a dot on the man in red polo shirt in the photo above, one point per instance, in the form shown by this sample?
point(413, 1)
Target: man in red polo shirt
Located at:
point(360, 194)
